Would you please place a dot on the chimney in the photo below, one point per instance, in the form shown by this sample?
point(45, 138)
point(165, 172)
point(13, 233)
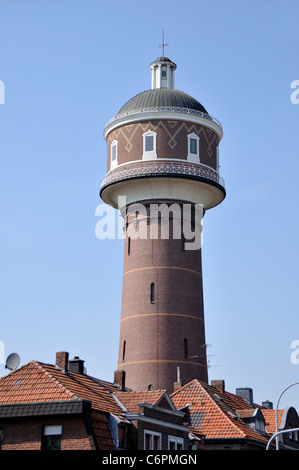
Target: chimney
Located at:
point(120, 378)
point(219, 384)
point(76, 365)
point(246, 393)
point(268, 404)
point(62, 360)
point(177, 385)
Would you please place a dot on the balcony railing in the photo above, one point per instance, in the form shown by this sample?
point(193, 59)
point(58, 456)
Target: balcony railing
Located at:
point(160, 168)
point(159, 109)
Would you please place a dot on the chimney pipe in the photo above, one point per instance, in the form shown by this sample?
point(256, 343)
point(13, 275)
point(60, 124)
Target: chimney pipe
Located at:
point(246, 393)
point(178, 382)
point(76, 365)
point(119, 378)
point(219, 384)
point(268, 404)
point(62, 360)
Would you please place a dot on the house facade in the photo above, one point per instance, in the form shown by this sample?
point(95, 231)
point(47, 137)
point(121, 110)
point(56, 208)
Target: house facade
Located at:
point(59, 407)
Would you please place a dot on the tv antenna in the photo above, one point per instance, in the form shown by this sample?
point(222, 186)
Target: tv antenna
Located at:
point(12, 362)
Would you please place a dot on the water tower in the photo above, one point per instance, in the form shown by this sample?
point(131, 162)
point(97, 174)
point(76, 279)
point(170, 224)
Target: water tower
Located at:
point(162, 168)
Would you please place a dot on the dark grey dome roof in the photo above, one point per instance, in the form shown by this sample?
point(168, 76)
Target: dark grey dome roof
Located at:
point(162, 97)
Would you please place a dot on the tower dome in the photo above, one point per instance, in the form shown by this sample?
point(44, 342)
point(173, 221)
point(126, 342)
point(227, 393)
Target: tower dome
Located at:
point(162, 97)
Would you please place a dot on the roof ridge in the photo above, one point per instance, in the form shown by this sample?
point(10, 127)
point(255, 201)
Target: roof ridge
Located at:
point(222, 410)
point(42, 366)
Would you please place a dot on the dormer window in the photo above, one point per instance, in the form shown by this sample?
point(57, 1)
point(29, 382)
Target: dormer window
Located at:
point(114, 149)
point(259, 426)
point(193, 148)
point(149, 145)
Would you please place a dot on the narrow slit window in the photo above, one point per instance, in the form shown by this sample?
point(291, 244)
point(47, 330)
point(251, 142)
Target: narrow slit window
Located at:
point(124, 351)
point(152, 292)
point(186, 348)
point(183, 242)
point(129, 245)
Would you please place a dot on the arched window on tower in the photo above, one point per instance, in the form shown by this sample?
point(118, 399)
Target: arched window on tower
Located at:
point(149, 145)
point(193, 148)
point(114, 152)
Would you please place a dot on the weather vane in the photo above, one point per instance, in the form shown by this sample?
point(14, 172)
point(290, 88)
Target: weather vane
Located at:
point(163, 43)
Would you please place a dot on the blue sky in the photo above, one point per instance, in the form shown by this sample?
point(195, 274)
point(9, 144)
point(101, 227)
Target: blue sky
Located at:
point(68, 66)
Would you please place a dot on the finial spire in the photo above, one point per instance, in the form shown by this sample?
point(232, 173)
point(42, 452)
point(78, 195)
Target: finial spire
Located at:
point(163, 43)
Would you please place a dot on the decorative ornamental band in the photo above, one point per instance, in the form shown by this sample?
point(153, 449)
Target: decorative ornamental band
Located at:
point(159, 109)
point(161, 168)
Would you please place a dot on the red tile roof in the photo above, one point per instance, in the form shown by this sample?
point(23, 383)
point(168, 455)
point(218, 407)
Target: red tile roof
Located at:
point(39, 382)
point(270, 419)
point(132, 399)
point(213, 413)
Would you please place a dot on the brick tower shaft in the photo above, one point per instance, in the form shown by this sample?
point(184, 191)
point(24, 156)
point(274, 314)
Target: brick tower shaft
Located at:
point(162, 321)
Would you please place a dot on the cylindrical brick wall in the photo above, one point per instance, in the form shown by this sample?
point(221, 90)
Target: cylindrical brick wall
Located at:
point(162, 321)
point(172, 141)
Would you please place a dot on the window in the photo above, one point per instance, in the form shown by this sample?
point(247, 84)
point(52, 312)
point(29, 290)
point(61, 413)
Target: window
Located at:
point(186, 348)
point(149, 145)
point(129, 245)
point(121, 437)
point(114, 152)
point(183, 242)
point(193, 148)
point(1, 438)
point(52, 437)
point(152, 292)
point(152, 440)
point(124, 351)
point(260, 426)
point(175, 443)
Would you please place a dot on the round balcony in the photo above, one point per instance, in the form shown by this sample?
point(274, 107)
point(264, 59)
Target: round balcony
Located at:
point(162, 179)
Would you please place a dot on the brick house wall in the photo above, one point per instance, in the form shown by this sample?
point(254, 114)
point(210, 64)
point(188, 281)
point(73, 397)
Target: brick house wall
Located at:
point(27, 433)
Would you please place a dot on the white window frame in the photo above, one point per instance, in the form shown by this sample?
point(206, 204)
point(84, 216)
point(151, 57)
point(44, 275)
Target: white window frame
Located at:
point(152, 434)
point(114, 162)
point(175, 440)
point(193, 157)
point(149, 154)
point(217, 158)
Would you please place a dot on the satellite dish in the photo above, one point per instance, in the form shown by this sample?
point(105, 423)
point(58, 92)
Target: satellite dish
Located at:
point(13, 361)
